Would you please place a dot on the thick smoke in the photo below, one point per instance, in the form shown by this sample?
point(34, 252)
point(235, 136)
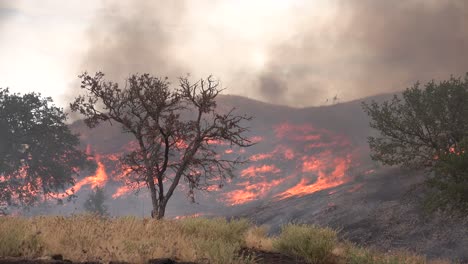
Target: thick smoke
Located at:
point(371, 47)
point(358, 48)
point(134, 37)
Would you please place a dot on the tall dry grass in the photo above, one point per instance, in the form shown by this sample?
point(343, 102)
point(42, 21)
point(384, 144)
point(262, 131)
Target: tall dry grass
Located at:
point(135, 240)
point(91, 238)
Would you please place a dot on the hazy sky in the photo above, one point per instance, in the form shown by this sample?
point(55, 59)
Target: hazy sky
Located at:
point(294, 52)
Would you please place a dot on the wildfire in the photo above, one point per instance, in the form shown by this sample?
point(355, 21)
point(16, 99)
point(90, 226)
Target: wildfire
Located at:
point(253, 170)
point(319, 160)
point(122, 190)
point(98, 179)
point(261, 156)
point(324, 181)
point(251, 192)
point(179, 217)
point(295, 160)
point(228, 151)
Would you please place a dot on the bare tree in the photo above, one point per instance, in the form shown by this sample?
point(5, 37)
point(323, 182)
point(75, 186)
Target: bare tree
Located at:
point(174, 129)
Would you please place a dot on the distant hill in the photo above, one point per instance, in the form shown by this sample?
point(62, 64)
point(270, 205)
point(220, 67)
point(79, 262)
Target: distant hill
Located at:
point(310, 165)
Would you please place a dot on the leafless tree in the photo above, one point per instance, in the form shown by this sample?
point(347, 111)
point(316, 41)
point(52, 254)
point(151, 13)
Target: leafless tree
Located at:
point(175, 130)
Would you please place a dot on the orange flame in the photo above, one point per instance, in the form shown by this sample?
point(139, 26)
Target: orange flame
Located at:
point(324, 180)
point(179, 217)
point(251, 192)
point(307, 151)
point(121, 191)
point(261, 156)
point(98, 179)
point(253, 171)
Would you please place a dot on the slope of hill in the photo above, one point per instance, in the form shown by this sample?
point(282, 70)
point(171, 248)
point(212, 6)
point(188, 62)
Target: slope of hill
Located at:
point(310, 165)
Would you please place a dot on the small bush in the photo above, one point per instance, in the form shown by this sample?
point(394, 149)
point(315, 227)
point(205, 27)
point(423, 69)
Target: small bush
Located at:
point(313, 244)
point(256, 237)
point(217, 228)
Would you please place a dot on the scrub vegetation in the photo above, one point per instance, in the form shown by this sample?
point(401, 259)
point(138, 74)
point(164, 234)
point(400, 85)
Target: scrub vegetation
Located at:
point(199, 240)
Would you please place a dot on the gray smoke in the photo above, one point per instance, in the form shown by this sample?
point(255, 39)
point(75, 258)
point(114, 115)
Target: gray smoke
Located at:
point(372, 47)
point(365, 47)
point(135, 37)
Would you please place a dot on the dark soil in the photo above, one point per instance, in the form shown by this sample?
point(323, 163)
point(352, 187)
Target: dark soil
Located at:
point(265, 257)
point(262, 257)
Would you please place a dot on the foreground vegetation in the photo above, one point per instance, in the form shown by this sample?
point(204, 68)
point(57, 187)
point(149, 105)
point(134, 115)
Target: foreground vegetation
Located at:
point(91, 238)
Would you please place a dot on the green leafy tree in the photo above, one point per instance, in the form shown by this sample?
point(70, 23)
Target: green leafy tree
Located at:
point(39, 157)
point(422, 125)
point(175, 130)
point(421, 129)
point(450, 180)
point(95, 203)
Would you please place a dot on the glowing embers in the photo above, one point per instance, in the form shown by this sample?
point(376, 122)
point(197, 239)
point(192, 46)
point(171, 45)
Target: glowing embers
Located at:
point(314, 159)
point(179, 217)
point(291, 160)
point(329, 175)
point(251, 191)
point(253, 171)
point(121, 191)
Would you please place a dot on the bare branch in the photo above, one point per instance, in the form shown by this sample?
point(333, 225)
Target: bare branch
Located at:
point(174, 129)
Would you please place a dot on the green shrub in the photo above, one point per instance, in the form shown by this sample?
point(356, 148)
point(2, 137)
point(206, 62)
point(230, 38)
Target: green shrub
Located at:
point(313, 244)
point(356, 255)
point(449, 184)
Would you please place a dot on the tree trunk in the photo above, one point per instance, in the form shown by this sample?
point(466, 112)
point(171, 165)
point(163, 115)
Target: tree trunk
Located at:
point(154, 199)
point(161, 209)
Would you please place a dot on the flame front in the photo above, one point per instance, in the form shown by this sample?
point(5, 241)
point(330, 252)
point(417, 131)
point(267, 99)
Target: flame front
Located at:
point(98, 179)
point(314, 159)
point(324, 181)
point(294, 160)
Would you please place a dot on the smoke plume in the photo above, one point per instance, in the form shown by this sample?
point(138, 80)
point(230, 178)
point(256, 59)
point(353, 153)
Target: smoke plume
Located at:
point(371, 47)
point(299, 57)
point(133, 37)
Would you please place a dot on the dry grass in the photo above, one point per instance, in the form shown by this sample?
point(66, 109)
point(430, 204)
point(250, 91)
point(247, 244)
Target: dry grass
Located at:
point(135, 240)
point(256, 237)
point(89, 238)
point(357, 255)
point(313, 244)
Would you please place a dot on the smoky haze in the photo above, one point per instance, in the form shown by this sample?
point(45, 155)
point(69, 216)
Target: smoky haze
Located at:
point(133, 38)
point(359, 48)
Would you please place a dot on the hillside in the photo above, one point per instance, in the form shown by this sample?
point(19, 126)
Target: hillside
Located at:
point(309, 165)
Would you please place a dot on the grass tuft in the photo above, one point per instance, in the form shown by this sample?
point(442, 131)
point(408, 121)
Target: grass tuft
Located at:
point(315, 245)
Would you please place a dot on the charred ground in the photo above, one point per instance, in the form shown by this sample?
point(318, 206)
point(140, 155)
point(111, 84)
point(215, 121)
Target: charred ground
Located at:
point(310, 165)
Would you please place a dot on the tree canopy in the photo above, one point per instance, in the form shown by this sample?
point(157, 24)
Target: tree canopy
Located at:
point(174, 130)
point(422, 125)
point(39, 156)
point(426, 128)
point(450, 180)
